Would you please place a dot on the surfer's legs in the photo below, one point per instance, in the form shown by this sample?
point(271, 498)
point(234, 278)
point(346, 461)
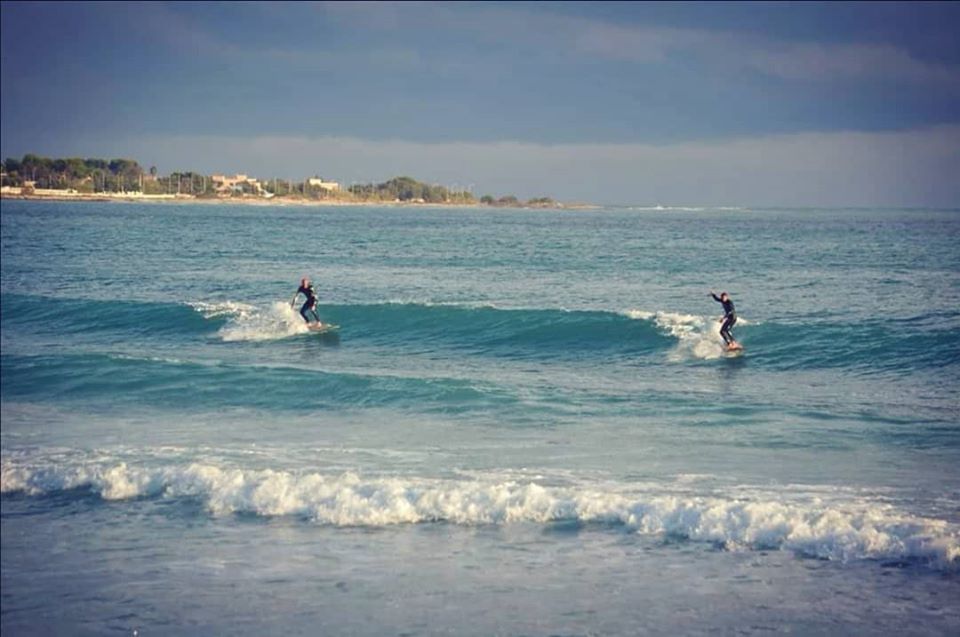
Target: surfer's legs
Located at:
point(725, 329)
point(308, 307)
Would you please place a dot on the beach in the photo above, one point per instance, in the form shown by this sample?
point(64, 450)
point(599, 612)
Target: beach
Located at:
point(17, 194)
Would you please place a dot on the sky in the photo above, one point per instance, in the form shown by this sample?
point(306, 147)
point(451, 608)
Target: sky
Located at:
point(754, 104)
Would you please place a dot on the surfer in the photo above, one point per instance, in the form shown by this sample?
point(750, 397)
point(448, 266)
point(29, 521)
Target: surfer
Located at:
point(729, 318)
point(310, 305)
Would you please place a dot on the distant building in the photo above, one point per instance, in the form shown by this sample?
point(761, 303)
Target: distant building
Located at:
point(227, 185)
point(317, 182)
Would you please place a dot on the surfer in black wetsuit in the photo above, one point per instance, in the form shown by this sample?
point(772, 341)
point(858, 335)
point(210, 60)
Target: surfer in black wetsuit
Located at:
point(729, 317)
point(310, 305)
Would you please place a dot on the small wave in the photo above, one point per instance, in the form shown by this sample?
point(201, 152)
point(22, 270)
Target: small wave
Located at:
point(473, 327)
point(484, 328)
point(661, 208)
point(146, 380)
point(927, 341)
point(89, 316)
point(838, 529)
point(871, 347)
point(672, 208)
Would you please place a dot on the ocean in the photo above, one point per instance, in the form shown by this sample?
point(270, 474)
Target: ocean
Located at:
point(524, 425)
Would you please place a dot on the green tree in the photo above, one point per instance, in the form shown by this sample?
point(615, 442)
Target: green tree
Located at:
point(36, 168)
point(77, 169)
point(127, 168)
point(11, 170)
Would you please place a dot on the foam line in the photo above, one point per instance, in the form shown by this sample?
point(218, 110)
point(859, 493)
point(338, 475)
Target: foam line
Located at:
point(842, 528)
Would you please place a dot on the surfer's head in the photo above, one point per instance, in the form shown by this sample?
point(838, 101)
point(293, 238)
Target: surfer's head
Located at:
point(724, 296)
point(304, 281)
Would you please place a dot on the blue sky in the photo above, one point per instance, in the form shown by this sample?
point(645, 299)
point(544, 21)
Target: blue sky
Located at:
point(647, 103)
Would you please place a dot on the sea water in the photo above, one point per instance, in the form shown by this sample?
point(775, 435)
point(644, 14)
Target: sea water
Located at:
point(525, 424)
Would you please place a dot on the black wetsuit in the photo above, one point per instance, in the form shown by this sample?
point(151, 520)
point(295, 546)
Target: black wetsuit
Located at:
point(310, 305)
point(729, 318)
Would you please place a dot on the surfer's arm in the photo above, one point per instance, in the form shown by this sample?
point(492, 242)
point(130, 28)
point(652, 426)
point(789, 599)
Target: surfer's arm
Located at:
point(716, 298)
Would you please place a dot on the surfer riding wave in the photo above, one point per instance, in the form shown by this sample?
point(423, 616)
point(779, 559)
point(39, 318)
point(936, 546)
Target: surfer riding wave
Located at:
point(729, 319)
point(309, 306)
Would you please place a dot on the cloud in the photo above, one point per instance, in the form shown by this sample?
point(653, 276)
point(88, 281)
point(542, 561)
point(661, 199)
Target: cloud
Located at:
point(541, 30)
point(635, 44)
point(808, 61)
point(784, 59)
point(377, 15)
point(911, 168)
point(172, 27)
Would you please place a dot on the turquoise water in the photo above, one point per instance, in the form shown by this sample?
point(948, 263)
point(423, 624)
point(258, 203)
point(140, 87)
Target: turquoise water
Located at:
point(524, 425)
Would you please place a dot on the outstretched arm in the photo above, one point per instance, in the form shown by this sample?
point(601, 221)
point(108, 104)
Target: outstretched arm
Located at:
point(715, 297)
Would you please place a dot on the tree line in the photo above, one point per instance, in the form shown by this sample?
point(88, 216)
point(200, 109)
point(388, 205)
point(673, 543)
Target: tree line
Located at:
point(407, 189)
point(126, 175)
point(74, 172)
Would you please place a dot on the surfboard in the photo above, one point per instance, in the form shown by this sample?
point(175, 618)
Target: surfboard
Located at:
point(734, 349)
point(322, 328)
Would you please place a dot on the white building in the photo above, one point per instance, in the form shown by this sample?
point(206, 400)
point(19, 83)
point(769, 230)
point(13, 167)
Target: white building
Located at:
point(225, 184)
point(317, 182)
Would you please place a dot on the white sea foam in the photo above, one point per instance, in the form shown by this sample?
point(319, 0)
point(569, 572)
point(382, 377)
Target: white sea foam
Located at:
point(223, 308)
point(152, 359)
point(661, 208)
point(697, 336)
point(669, 208)
point(416, 301)
point(841, 527)
point(278, 321)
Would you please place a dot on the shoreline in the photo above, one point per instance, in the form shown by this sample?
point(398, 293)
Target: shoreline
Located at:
point(263, 202)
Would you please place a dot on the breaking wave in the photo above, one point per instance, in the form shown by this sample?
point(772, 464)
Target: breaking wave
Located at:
point(838, 527)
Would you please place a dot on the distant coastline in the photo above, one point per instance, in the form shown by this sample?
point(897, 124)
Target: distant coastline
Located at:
point(12, 193)
point(75, 179)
